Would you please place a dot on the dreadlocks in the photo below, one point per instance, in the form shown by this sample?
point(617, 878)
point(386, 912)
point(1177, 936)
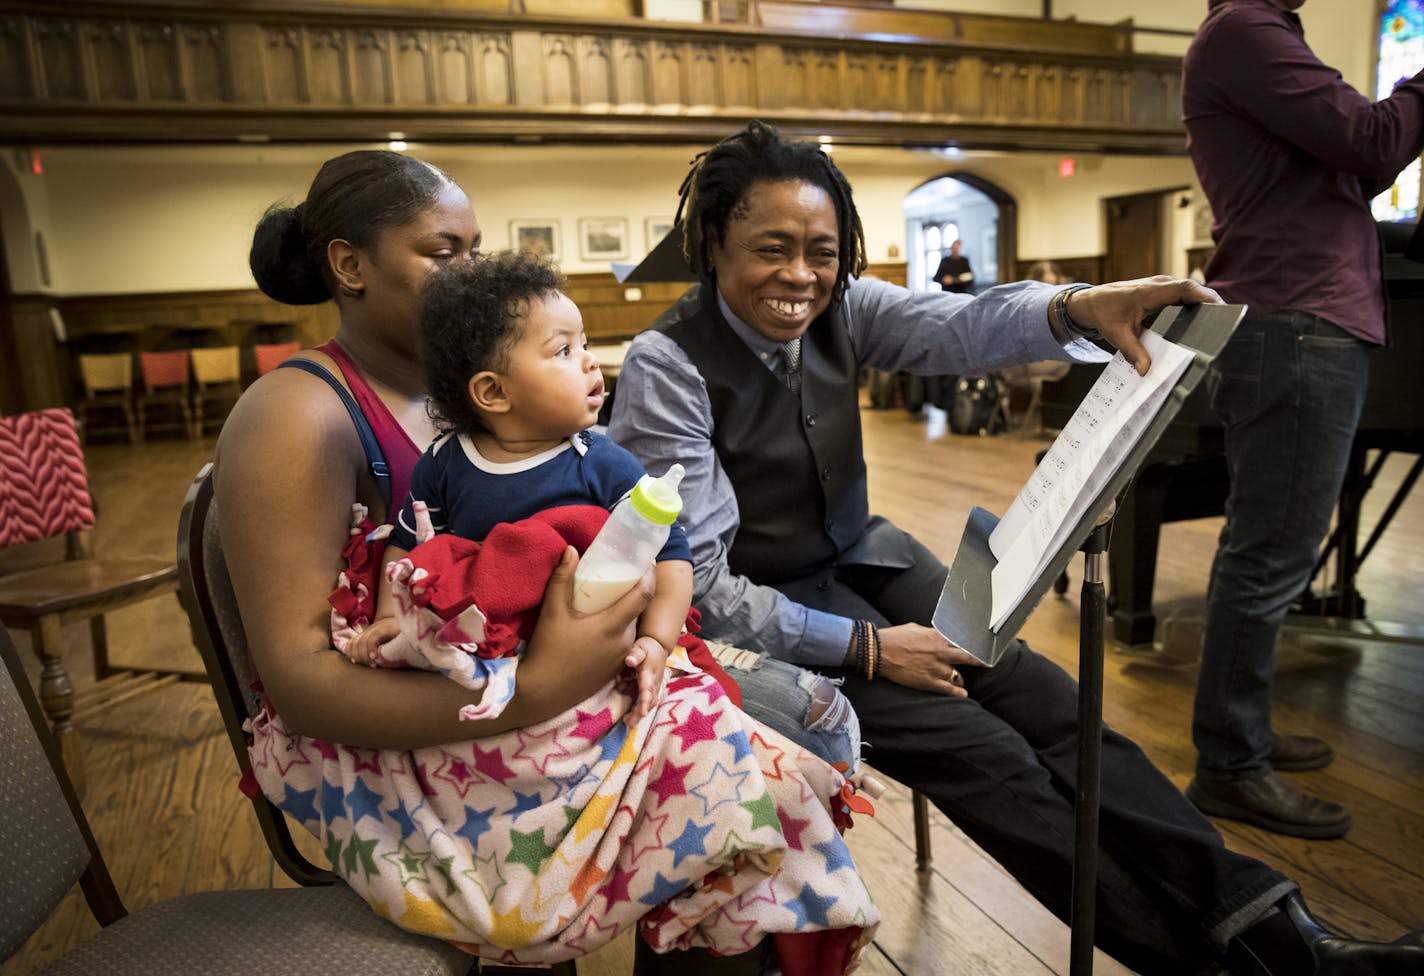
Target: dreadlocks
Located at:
point(715, 190)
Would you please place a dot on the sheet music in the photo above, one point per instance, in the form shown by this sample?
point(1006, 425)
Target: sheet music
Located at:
point(1076, 468)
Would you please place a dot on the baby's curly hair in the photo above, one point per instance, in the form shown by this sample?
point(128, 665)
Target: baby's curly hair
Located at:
point(470, 315)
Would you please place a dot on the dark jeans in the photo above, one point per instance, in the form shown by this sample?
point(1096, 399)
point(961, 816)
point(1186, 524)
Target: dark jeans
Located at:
point(1289, 388)
point(1002, 763)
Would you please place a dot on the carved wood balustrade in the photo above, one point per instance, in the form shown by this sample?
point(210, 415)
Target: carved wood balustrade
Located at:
point(194, 71)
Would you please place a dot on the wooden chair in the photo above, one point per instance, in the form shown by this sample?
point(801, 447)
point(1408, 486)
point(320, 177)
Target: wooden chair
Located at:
point(1031, 377)
point(108, 385)
point(217, 379)
point(47, 846)
point(165, 383)
point(217, 630)
point(44, 494)
point(924, 854)
point(269, 355)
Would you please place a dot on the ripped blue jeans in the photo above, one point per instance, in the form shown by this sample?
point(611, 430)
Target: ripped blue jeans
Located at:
point(802, 705)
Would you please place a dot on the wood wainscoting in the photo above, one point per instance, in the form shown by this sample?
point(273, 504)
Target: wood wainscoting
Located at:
point(1087, 267)
point(50, 331)
point(613, 312)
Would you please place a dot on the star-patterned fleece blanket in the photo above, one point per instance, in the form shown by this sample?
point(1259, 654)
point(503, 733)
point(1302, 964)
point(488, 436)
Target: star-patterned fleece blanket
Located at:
point(542, 844)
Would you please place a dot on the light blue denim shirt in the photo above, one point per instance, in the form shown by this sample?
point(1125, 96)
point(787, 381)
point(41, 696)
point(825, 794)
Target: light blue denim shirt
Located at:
point(661, 413)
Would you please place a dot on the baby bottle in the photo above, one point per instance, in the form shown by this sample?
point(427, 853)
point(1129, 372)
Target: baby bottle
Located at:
point(629, 541)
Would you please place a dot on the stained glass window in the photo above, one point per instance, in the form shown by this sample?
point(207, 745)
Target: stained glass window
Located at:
point(1401, 55)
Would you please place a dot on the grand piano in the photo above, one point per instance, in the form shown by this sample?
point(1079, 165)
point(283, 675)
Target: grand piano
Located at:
point(1184, 477)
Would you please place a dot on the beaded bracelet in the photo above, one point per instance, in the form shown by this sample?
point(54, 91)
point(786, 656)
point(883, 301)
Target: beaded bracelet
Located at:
point(872, 667)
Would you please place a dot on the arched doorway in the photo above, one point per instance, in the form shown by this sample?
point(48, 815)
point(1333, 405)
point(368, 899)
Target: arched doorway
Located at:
point(964, 207)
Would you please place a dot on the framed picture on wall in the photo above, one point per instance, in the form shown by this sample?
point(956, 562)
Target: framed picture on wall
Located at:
point(657, 228)
point(539, 237)
point(603, 238)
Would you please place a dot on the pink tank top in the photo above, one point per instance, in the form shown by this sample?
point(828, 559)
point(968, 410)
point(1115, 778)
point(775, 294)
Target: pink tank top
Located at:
point(400, 451)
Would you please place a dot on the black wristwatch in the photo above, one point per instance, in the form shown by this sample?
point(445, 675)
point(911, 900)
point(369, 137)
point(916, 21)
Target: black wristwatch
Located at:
point(1058, 309)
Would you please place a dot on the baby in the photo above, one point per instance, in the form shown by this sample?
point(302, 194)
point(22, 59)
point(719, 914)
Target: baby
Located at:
point(513, 384)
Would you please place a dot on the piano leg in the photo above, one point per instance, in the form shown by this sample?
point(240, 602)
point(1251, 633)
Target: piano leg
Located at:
point(1343, 600)
point(1132, 555)
point(1168, 491)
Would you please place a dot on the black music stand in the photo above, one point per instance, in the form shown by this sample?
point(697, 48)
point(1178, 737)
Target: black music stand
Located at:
point(964, 611)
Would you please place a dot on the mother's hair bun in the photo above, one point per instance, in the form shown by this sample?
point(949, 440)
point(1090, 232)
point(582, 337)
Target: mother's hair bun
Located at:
point(279, 260)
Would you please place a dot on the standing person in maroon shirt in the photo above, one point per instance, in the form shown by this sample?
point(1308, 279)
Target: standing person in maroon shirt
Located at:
point(1289, 156)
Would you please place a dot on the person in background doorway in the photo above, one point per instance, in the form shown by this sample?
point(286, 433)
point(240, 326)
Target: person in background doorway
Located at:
point(953, 273)
point(1289, 156)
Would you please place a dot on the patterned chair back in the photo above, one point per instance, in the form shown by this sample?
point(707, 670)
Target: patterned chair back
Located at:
point(44, 488)
point(47, 845)
point(164, 369)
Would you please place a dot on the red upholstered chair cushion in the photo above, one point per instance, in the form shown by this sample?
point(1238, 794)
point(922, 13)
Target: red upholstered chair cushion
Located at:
point(164, 368)
point(270, 355)
point(44, 489)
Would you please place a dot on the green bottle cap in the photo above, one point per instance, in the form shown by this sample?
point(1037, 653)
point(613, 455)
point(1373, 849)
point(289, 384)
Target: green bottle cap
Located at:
point(656, 499)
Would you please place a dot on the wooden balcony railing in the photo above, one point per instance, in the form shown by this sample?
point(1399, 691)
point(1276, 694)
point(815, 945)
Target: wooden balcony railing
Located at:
point(193, 70)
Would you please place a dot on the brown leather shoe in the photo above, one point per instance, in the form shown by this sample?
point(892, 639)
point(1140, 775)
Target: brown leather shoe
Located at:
point(1270, 802)
point(1297, 753)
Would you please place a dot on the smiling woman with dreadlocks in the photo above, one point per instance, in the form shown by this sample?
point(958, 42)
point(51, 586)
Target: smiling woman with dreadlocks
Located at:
point(749, 381)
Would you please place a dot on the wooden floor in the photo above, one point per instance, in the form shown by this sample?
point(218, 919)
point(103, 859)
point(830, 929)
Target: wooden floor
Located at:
point(164, 803)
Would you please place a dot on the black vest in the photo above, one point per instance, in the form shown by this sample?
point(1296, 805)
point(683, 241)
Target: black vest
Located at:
point(796, 466)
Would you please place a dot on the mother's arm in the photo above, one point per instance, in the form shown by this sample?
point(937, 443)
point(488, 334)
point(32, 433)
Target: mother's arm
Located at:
point(289, 466)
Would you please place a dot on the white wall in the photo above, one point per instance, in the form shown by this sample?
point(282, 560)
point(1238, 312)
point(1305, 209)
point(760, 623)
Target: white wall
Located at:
point(24, 207)
point(152, 219)
point(682, 10)
point(1057, 216)
point(570, 184)
point(142, 219)
point(1006, 8)
point(1345, 35)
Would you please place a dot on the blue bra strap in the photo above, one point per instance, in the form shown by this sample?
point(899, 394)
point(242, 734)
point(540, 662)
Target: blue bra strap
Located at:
point(374, 457)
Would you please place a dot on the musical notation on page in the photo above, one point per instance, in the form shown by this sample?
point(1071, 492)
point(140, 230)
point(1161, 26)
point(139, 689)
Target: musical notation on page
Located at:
point(1081, 462)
